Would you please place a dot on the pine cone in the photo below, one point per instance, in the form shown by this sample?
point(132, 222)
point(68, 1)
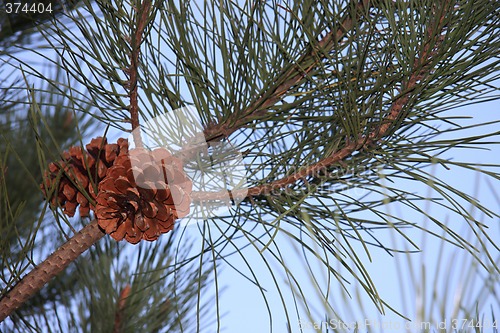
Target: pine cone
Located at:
point(78, 174)
point(142, 195)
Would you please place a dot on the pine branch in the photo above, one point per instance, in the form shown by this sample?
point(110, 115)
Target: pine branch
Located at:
point(68, 252)
point(49, 268)
point(289, 78)
point(421, 69)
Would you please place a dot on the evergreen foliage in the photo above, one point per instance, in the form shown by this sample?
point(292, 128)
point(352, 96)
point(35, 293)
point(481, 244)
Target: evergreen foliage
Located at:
point(321, 97)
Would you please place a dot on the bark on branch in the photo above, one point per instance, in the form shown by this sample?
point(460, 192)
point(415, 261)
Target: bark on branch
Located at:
point(31, 283)
point(122, 302)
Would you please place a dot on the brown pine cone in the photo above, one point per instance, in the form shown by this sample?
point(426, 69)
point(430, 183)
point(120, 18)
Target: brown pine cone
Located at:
point(142, 195)
point(77, 175)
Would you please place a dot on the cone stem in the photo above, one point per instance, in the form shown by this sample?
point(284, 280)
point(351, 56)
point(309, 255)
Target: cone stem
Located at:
point(31, 283)
point(135, 44)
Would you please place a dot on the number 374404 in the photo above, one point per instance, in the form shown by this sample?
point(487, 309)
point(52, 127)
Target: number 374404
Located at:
point(27, 8)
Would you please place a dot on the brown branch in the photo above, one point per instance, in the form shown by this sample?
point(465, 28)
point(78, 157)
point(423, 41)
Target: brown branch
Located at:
point(31, 283)
point(117, 328)
point(288, 79)
point(421, 70)
point(135, 43)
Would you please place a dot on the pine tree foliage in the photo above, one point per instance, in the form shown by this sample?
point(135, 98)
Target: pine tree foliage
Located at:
point(319, 96)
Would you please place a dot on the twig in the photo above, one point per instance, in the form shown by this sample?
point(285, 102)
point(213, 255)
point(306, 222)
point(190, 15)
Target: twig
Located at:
point(117, 328)
point(49, 268)
point(85, 238)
